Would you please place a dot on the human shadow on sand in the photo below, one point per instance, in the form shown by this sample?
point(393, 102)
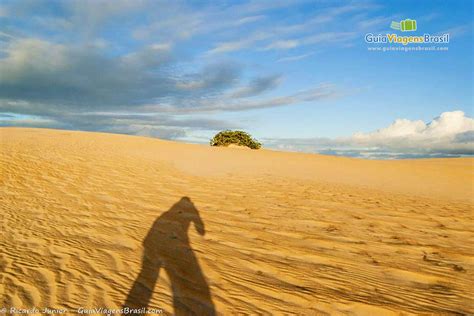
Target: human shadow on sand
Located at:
point(167, 246)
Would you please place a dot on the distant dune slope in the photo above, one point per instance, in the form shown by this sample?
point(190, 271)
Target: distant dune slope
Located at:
point(229, 231)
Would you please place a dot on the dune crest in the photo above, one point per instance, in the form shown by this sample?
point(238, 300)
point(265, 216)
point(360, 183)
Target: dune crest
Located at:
point(266, 232)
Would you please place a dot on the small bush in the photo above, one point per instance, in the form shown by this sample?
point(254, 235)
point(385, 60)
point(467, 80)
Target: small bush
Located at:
point(226, 138)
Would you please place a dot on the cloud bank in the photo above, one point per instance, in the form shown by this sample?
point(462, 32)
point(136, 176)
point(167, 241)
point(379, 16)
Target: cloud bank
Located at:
point(57, 82)
point(134, 66)
point(450, 134)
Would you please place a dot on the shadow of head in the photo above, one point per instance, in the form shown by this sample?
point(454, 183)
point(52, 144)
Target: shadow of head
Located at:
point(185, 212)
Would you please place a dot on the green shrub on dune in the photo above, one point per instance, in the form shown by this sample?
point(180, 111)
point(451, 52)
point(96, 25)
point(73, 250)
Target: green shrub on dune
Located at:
point(240, 138)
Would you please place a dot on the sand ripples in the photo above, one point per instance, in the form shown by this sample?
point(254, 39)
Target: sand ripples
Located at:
point(77, 207)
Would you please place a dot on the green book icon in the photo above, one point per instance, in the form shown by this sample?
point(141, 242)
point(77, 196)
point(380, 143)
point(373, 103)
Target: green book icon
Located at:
point(406, 25)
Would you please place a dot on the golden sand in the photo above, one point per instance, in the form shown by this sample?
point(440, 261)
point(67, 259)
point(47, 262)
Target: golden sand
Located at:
point(95, 220)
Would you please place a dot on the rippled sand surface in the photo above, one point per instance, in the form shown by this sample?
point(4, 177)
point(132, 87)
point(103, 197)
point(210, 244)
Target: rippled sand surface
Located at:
point(99, 220)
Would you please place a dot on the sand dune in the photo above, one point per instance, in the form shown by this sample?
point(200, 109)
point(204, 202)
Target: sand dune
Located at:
point(229, 231)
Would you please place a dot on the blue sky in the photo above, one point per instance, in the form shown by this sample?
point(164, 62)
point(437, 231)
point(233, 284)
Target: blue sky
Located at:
point(297, 75)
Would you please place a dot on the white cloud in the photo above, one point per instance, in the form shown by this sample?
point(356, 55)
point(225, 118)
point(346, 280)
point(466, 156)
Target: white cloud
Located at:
point(6, 35)
point(457, 31)
point(452, 133)
point(325, 37)
point(318, 93)
point(447, 124)
point(33, 56)
point(374, 23)
point(26, 120)
point(284, 44)
point(294, 58)
point(249, 19)
point(230, 46)
point(273, 37)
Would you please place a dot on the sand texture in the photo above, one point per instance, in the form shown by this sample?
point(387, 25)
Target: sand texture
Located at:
point(102, 220)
